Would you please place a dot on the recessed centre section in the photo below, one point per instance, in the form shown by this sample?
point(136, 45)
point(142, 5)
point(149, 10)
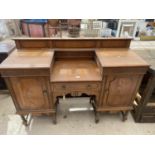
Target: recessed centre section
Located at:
point(75, 66)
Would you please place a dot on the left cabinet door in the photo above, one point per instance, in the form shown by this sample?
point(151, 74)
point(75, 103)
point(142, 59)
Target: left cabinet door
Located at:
point(31, 92)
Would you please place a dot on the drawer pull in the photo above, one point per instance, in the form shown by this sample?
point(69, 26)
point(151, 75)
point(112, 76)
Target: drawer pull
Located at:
point(63, 87)
point(89, 86)
point(45, 92)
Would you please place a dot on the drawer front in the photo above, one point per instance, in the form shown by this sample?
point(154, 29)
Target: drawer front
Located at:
point(68, 87)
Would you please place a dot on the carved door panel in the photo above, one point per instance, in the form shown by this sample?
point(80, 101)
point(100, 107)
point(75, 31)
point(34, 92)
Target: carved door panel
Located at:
point(119, 90)
point(31, 92)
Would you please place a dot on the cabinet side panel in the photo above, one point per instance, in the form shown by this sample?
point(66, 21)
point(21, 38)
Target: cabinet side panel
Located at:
point(12, 92)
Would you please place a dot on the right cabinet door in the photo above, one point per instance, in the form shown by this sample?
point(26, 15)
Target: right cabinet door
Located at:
point(120, 90)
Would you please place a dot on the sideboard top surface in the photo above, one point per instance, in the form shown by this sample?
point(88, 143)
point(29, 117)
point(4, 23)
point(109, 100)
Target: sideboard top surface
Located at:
point(119, 58)
point(28, 59)
point(42, 58)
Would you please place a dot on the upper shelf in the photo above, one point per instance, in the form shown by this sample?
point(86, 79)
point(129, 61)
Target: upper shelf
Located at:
point(69, 38)
point(72, 42)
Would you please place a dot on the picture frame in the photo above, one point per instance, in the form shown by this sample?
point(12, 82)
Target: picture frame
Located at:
point(127, 28)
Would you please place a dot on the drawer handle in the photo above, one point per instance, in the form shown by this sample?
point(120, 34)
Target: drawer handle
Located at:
point(45, 92)
point(63, 87)
point(89, 86)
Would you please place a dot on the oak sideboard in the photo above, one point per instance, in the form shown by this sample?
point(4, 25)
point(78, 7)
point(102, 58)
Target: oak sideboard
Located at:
point(40, 71)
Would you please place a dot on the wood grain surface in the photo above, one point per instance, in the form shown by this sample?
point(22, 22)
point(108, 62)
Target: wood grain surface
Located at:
point(75, 70)
point(28, 58)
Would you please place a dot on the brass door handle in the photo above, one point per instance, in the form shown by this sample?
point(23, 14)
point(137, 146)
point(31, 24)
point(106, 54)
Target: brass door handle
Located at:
point(45, 92)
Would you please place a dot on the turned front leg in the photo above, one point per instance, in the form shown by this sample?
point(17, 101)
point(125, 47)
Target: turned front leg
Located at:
point(93, 103)
point(55, 114)
point(26, 119)
point(124, 115)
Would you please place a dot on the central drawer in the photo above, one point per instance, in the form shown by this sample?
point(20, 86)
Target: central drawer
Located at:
point(75, 86)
